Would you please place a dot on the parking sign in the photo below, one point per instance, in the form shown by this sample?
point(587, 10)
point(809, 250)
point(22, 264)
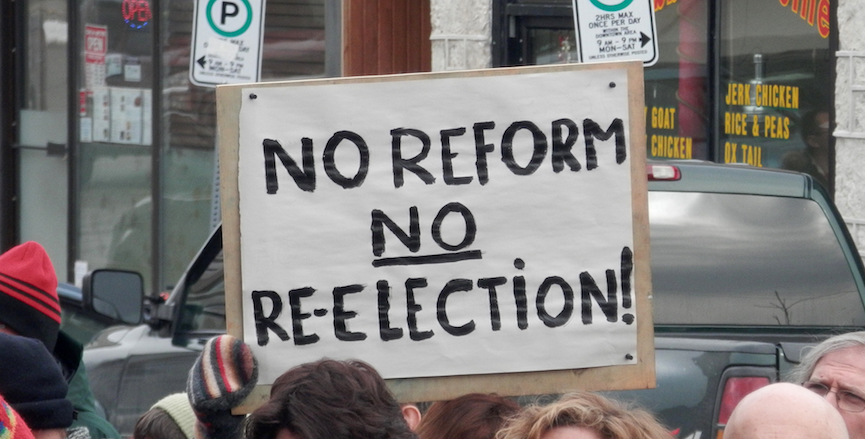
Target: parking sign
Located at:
point(616, 30)
point(226, 42)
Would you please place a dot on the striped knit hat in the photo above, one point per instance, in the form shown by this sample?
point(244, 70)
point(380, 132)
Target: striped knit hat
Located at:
point(12, 426)
point(28, 293)
point(222, 376)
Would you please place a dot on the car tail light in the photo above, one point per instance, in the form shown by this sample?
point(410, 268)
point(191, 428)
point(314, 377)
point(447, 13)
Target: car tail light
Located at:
point(663, 173)
point(735, 389)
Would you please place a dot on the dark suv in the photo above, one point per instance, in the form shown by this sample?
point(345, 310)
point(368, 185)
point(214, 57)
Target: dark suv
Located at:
point(748, 266)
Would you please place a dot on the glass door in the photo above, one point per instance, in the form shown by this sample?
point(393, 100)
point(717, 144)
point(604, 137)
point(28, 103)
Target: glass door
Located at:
point(114, 135)
point(42, 129)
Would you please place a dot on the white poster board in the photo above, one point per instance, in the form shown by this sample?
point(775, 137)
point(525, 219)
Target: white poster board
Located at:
point(126, 115)
point(101, 114)
point(440, 225)
point(95, 49)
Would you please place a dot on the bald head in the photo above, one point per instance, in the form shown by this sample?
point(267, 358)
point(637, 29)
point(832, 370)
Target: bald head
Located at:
point(785, 411)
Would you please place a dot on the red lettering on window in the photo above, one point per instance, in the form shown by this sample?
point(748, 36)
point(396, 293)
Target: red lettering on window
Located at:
point(136, 10)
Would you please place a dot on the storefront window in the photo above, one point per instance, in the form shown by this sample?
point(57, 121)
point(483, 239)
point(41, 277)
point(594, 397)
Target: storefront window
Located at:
point(118, 146)
point(294, 47)
point(736, 81)
point(775, 85)
point(677, 86)
point(552, 46)
point(115, 134)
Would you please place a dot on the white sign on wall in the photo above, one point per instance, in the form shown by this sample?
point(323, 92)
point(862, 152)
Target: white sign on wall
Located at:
point(226, 42)
point(455, 225)
point(616, 30)
point(95, 49)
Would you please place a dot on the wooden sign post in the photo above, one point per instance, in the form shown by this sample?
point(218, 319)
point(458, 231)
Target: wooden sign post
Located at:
point(481, 231)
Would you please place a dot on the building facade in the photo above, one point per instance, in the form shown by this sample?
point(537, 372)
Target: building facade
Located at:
point(770, 83)
point(849, 130)
point(107, 148)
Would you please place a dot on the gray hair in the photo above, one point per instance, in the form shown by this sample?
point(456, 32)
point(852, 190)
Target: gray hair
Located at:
point(802, 372)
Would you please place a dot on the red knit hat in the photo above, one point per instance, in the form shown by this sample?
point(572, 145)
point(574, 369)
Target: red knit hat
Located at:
point(28, 293)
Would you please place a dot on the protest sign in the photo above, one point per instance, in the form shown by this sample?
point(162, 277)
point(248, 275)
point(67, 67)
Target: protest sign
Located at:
point(462, 231)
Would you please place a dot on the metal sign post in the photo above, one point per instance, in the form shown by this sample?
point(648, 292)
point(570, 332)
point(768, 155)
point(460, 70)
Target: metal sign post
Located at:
point(226, 42)
point(616, 30)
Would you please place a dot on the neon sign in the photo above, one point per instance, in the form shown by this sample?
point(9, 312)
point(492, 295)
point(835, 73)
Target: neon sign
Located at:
point(136, 13)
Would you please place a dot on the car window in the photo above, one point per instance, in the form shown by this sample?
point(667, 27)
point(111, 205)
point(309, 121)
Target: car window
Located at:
point(78, 324)
point(75, 321)
point(731, 259)
point(204, 307)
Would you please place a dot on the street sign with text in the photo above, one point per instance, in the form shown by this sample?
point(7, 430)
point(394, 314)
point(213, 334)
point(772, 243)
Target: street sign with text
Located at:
point(614, 30)
point(226, 42)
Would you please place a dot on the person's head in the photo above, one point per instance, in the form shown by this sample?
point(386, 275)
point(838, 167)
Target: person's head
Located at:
point(835, 369)
point(583, 416)
point(472, 416)
point(815, 129)
point(29, 305)
point(784, 410)
point(170, 418)
point(329, 399)
point(32, 383)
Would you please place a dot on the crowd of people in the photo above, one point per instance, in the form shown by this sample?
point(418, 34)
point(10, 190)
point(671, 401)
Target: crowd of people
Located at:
point(44, 392)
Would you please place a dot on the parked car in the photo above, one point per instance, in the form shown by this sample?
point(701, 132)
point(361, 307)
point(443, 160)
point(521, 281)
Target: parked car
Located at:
point(748, 266)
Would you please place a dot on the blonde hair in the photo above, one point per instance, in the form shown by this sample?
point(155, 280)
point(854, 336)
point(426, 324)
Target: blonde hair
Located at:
point(610, 419)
